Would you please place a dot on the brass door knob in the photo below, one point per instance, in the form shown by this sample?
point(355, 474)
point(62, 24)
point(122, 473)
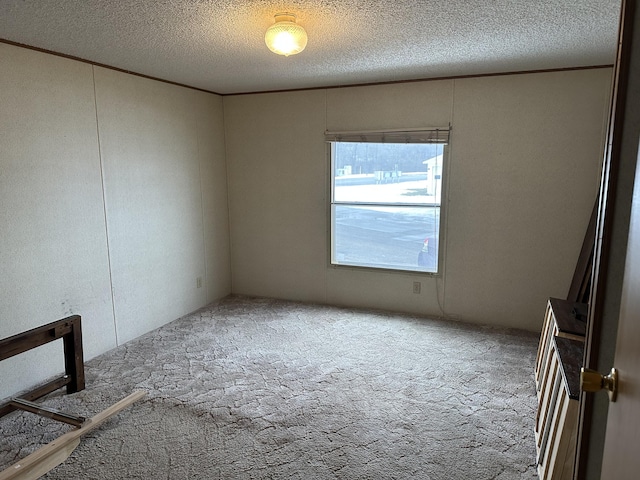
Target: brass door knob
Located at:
point(592, 381)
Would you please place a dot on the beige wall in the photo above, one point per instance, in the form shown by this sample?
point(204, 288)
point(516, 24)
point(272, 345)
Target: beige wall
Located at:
point(277, 179)
point(114, 197)
point(524, 167)
point(114, 201)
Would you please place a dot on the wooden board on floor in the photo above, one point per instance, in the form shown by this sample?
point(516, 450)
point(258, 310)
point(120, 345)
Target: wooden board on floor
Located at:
point(54, 453)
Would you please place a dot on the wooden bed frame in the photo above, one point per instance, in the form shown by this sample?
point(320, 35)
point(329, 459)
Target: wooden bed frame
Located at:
point(70, 330)
point(54, 453)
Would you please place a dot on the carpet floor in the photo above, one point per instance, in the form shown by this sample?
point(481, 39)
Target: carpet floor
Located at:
point(266, 389)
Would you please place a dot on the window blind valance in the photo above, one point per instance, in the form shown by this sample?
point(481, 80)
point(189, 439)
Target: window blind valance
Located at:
point(421, 135)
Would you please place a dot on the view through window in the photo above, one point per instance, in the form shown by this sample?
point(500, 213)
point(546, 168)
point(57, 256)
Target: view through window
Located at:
point(385, 209)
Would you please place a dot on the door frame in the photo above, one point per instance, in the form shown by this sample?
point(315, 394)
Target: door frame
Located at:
point(612, 229)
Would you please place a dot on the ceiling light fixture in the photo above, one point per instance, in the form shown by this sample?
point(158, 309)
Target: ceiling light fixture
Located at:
point(285, 37)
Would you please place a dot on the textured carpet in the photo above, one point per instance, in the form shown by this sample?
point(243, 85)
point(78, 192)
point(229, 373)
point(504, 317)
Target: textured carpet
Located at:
point(263, 389)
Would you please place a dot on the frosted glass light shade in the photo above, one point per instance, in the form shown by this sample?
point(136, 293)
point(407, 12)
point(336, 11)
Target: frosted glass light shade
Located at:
point(286, 37)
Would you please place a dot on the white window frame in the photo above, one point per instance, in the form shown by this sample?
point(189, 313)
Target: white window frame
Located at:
point(423, 135)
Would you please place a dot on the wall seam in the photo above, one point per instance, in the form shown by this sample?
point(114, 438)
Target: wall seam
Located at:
point(104, 206)
point(204, 228)
point(227, 173)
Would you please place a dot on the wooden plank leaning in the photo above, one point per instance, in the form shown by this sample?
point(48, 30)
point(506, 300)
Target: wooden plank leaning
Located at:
point(54, 453)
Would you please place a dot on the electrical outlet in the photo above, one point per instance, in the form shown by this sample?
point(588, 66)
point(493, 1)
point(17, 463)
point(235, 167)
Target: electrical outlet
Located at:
point(199, 282)
point(416, 287)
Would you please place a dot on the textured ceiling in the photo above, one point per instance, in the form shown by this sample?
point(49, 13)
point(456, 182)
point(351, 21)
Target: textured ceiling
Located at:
point(218, 45)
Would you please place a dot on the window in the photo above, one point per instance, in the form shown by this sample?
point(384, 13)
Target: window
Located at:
point(386, 191)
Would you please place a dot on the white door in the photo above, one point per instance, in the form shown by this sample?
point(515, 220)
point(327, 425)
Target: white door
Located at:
point(621, 458)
